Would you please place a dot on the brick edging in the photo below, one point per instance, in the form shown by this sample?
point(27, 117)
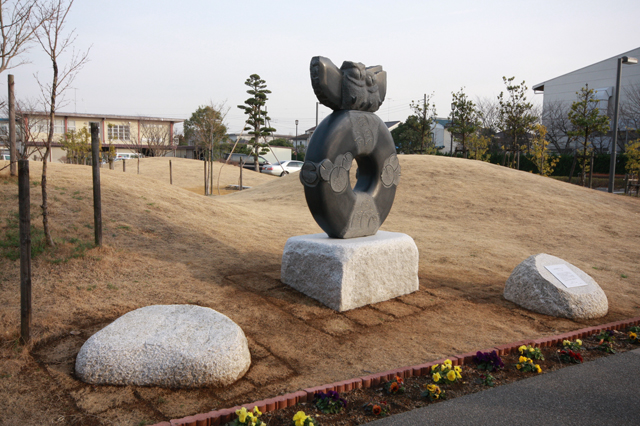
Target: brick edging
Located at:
point(220, 417)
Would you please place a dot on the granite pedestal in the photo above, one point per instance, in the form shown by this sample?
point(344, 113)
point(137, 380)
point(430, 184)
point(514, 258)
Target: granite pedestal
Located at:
point(344, 274)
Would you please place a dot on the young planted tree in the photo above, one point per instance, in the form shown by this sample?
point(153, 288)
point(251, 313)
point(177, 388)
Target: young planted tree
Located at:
point(77, 146)
point(633, 157)
point(407, 136)
point(515, 115)
point(425, 114)
point(206, 129)
point(539, 143)
point(51, 37)
point(587, 121)
point(478, 146)
point(257, 118)
point(464, 119)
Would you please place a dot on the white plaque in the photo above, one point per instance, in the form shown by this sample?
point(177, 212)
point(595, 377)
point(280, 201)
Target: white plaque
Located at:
point(565, 275)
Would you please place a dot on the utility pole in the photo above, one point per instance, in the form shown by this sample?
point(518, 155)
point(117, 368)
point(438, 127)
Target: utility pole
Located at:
point(296, 139)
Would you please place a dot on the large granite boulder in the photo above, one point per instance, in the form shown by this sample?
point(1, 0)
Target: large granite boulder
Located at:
point(549, 285)
point(166, 345)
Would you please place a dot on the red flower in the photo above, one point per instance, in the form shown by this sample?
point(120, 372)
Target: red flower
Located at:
point(376, 410)
point(399, 380)
point(393, 387)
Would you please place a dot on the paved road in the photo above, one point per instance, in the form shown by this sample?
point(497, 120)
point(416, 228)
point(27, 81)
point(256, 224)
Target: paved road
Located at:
point(601, 392)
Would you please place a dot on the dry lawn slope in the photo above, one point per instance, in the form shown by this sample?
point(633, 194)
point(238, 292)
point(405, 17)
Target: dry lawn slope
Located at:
point(473, 223)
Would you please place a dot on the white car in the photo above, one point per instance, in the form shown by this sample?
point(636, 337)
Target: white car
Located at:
point(283, 168)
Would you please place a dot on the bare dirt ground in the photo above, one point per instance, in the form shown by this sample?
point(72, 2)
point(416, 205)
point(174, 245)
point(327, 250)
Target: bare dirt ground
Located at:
point(473, 223)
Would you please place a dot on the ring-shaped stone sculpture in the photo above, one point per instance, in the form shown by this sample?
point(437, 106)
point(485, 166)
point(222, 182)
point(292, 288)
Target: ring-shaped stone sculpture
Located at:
point(342, 211)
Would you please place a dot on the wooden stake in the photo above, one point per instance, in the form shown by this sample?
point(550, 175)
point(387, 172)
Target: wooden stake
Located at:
point(170, 173)
point(124, 165)
point(95, 166)
point(13, 154)
point(25, 249)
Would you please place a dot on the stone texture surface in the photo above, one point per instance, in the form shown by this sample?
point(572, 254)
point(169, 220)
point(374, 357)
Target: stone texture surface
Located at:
point(166, 345)
point(533, 287)
point(345, 274)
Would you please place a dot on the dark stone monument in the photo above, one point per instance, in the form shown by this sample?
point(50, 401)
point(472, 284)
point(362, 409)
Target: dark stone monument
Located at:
point(351, 132)
point(353, 264)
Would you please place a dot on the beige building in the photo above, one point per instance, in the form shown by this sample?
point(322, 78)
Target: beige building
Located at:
point(150, 136)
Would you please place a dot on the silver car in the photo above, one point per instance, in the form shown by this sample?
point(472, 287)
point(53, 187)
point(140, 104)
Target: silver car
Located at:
point(283, 168)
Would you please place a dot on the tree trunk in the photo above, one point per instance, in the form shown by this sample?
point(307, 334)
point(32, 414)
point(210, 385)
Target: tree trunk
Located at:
point(573, 165)
point(52, 115)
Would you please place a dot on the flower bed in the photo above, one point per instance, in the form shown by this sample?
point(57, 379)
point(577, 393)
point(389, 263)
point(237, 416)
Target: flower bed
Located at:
point(368, 398)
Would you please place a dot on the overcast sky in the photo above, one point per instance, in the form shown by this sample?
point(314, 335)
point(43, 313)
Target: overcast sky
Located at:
point(166, 57)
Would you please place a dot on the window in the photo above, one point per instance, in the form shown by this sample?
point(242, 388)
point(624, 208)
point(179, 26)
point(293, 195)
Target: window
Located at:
point(4, 129)
point(58, 126)
point(118, 132)
point(71, 125)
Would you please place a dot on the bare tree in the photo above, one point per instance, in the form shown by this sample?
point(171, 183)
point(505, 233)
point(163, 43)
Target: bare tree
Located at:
point(55, 43)
point(18, 24)
point(488, 114)
point(556, 119)
point(630, 114)
point(157, 137)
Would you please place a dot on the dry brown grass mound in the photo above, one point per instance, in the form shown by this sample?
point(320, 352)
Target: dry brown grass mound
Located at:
point(473, 223)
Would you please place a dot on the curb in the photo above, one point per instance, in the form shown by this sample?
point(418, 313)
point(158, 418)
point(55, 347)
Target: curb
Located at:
point(220, 417)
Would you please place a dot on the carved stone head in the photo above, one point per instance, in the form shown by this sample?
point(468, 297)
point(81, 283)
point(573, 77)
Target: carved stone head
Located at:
point(350, 87)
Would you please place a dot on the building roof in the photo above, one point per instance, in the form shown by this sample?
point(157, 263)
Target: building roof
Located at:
point(538, 88)
point(107, 116)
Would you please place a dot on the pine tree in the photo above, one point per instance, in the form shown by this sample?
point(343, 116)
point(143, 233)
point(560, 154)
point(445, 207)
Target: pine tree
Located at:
point(257, 116)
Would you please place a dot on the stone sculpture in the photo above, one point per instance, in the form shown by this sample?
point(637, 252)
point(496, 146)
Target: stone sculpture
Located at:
point(339, 270)
point(351, 132)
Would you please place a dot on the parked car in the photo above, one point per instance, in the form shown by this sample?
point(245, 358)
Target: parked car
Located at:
point(6, 157)
point(283, 168)
point(235, 158)
point(127, 156)
point(248, 160)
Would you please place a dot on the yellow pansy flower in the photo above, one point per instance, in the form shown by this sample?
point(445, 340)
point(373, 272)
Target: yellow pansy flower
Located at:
point(538, 369)
point(447, 362)
point(522, 348)
point(566, 343)
point(457, 368)
point(578, 341)
point(436, 377)
point(451, 375)
point(299, 418)
point(458, 375)
point(431, 388)
point(434, 367)
point(518, 366)
point(242, 414)
point(633, 335)
point(256, 410)
point(522, 359)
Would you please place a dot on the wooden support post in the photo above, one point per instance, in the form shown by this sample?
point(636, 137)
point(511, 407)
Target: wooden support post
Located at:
point(13, 153)
point(95, 166)
point(25, 249)
point(124, 165)
point(241, 167)
point(206, 181)
point(170, 173)
point(591, 171)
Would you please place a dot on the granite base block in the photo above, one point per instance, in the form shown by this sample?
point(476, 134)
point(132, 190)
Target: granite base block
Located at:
point(345, 274)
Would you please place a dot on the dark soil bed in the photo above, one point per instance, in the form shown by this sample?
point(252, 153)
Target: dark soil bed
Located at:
point(472, 381)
